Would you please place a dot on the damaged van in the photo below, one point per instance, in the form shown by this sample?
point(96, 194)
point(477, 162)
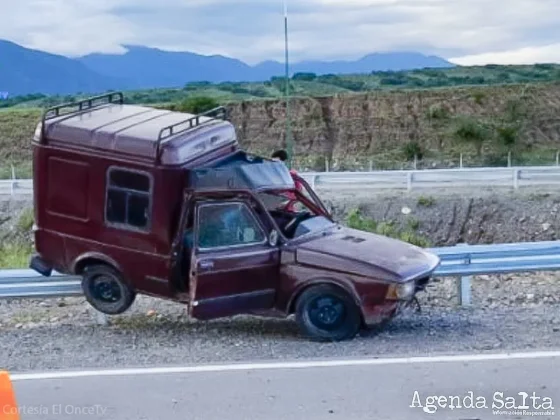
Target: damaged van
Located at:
point(138, 200)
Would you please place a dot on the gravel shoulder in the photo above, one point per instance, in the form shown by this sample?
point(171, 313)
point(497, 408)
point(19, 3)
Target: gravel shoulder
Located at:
point(508, 313)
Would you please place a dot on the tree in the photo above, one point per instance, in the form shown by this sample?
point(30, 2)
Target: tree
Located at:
point(306, 77)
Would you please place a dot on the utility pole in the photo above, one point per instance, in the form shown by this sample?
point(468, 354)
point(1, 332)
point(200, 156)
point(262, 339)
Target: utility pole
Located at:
point(289, 143)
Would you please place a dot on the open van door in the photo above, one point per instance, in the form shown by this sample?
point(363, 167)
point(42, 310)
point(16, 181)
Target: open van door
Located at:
point(236, 265)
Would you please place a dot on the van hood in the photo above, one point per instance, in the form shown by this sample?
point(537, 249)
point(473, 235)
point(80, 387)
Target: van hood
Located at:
point(367, 254)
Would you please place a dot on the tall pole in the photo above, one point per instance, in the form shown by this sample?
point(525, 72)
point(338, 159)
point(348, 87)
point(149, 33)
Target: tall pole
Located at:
point(289, 144)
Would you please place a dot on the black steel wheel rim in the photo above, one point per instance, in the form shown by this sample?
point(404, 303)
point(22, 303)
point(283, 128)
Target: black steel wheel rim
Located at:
point(106, 289)
point(327, 312)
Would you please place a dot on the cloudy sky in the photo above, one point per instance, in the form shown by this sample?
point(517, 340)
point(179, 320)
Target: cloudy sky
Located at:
point(464, 31)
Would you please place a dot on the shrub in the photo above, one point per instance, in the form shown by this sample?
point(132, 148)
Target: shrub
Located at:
point(472, 132)
point(413, 149)
point(197, 104)
point(355, 220)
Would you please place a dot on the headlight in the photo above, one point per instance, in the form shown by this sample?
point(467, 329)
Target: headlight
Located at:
point(406, 290)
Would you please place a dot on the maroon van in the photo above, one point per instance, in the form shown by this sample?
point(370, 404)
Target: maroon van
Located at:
point(142, 200)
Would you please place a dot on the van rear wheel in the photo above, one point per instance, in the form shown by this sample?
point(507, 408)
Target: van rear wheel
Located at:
point(105, 290)
point(327, 313)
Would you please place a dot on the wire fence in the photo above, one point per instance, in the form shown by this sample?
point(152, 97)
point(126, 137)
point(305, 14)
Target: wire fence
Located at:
point(388, 161)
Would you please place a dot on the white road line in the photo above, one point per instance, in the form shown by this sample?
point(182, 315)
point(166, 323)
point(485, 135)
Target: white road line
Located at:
point(282, 365)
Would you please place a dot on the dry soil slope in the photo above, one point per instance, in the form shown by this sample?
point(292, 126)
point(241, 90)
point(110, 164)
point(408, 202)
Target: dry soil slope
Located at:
point(363, 124)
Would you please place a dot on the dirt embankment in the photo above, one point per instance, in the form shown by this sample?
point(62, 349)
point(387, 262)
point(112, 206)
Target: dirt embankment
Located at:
point(354, 126)
point(445, 218)
point(473, 217)
point(369, 125)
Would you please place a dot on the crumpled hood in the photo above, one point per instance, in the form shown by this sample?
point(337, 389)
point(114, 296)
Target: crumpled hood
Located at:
point(367, 254)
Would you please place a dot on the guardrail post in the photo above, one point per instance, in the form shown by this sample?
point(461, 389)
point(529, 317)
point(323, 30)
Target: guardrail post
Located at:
point(516, 178)
point(464, 290)
point(313, 180)
point(409, 180)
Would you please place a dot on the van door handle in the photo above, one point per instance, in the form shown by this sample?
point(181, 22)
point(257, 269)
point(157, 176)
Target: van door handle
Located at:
point(206, 265)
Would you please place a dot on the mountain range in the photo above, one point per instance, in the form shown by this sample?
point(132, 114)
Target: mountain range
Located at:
point(27, 71)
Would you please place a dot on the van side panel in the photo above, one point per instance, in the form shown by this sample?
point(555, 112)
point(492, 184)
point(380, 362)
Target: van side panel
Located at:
point(65, 175)
point(71, 194)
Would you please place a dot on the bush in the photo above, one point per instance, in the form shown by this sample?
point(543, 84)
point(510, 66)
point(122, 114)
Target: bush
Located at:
point(197, 104)
point(413, 150)
point(356, 221)
point(507, 136)
point(470, 131)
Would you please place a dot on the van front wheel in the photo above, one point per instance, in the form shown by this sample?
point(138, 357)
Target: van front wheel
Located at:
point(327, 313)
point(105, 290)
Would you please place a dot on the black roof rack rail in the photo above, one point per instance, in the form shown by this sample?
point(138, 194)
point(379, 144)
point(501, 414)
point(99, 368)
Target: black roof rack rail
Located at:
point(166, 132)
point(83, 105)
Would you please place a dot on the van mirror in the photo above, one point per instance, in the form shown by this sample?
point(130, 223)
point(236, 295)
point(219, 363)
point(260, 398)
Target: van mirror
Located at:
point(273, 237)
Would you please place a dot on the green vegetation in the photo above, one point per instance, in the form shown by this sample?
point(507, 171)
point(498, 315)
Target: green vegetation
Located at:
point(15, 254)
point(25, 221)
point(426, 201)
point(310, 84)
point(432, 118)
point(356, 220)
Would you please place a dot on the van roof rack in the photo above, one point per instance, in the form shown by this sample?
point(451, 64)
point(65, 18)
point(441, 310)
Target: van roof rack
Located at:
point(216, 113)
point(83, 105)
point(190, 123)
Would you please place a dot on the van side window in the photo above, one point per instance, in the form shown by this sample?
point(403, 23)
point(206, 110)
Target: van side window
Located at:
point(128, 199)
point(228, 225)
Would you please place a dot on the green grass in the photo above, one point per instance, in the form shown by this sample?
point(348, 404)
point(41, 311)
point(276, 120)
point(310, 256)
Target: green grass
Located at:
point(356, 220)
point(15, 254)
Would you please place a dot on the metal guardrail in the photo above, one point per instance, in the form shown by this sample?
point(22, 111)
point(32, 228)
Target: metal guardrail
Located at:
point(462, 261)
point(513, 177)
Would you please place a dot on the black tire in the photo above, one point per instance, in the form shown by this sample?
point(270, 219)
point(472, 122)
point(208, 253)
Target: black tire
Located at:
point(339, 318)
point(105, 290)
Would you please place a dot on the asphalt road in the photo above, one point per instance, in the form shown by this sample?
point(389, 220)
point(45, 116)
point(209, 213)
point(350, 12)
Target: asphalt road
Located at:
point(382, 390)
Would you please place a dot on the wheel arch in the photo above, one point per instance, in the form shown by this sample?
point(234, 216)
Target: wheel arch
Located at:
point(93, 258)
point(343, 286)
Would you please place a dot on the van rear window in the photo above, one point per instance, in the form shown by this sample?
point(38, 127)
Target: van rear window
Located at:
point(128, 204)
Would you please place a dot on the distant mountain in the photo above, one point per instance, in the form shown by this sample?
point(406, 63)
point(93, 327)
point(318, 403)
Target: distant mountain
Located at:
point(156, 68)
point(25, 71)
point(394, 61)
point(150, 67)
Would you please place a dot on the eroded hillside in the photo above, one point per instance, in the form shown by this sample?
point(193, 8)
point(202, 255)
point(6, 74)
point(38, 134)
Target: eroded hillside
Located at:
point(380, 125)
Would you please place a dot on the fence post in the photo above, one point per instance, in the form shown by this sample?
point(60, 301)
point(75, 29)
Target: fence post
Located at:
point(461, 161)
point(13, 184)
point(464, 290)
point(516, 178)
point(558, 158)
point(509, 159)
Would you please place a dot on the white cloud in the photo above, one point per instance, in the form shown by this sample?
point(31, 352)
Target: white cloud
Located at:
point(529, 55)
point(252, 30)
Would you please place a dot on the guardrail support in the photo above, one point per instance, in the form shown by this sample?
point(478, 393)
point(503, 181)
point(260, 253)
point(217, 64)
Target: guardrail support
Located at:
point(516, 179)
point(464, 290)
point(409, 180)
